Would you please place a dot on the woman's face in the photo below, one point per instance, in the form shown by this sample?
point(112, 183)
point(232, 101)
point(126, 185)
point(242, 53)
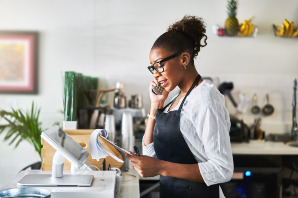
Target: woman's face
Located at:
point(171, 76)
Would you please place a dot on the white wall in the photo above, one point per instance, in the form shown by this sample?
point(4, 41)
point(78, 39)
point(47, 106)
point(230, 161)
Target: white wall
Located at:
point(112, 40)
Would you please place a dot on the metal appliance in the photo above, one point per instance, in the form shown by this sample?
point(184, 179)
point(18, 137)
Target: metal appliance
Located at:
point(119, 98)
point(136, 101)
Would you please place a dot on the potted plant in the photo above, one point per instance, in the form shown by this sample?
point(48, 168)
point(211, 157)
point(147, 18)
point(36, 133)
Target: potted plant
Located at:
point(74, 86)
point(70, 100)
point(22, 126)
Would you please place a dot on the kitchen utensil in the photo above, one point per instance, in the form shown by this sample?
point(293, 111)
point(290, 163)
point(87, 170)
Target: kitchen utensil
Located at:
point(136, 101)
point(95, 95)
point(255, 109)
point(120, 101)
point(268, 109)
point(119, 98)
point(110, 127)
point(244, 103)
point(226, 88)
point(157, 90)
point(254, 127)
point(25, 192)
point(258, 123)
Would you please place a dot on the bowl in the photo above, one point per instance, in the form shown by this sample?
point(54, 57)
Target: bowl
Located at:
point(25, 192)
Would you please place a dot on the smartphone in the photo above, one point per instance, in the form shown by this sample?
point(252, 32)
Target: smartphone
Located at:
point(157, 90)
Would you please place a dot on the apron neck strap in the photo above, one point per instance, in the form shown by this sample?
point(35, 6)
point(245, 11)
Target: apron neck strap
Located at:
point(198, 78)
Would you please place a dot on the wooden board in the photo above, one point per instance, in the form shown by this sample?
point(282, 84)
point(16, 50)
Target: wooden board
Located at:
point(82, 137)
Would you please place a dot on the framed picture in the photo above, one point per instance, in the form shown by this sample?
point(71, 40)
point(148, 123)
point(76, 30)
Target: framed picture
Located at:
point(18, 62)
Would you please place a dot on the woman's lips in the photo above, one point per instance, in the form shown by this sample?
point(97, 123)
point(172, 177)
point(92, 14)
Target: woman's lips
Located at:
point(163, 83)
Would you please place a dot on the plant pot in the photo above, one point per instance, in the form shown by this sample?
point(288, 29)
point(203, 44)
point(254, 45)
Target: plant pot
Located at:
point(69, 125)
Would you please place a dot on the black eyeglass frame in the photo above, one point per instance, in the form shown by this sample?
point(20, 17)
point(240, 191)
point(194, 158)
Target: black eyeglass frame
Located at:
point(151, 68)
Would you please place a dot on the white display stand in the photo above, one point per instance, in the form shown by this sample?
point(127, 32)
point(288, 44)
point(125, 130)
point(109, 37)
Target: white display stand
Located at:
point(129, 185)
point(66, 148)
point(103, 185)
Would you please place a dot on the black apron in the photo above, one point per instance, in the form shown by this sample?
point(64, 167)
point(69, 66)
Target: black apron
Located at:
point(169, 145)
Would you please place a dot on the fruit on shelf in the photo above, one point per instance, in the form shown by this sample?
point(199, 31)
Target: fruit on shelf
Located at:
point(295, 34)
point(246, 28)
point(221, 32)
point(286, 29)
point(276, 30)
point(291, 29)
point(231, 24)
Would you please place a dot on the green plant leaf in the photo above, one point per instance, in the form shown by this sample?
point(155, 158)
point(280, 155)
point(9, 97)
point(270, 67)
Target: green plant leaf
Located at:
point(12, 141)
point(22, 126)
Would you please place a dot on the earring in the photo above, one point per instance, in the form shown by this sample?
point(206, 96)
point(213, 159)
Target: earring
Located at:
point(184, 66)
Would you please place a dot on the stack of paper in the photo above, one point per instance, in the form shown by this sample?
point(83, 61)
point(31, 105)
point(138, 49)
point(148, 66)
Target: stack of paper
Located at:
point(98, 151)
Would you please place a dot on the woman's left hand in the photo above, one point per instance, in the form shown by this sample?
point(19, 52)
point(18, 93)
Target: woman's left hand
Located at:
point(146, 166)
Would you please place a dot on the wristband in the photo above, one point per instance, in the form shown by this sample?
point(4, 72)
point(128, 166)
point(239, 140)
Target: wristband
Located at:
point(150, 116)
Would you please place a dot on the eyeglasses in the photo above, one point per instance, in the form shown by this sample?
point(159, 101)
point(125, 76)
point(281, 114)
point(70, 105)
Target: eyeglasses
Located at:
point(158, 66)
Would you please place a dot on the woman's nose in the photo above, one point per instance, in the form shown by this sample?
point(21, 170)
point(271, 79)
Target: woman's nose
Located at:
point(156, 73)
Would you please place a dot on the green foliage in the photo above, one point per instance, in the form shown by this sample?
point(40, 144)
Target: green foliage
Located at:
point(70, 97)
point(75, 84)
point(232, 8)
point(22, 126)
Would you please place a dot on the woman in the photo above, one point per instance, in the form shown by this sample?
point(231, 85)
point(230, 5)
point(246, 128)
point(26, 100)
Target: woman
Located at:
point(186, 142)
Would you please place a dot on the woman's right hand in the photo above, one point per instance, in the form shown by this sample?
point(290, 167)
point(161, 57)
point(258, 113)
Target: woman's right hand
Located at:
point(157, 99)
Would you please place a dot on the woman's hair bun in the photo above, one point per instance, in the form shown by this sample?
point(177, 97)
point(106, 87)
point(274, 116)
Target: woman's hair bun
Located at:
point(193, 28)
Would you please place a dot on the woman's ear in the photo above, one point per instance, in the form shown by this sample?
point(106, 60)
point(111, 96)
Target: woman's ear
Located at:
point(185, 58)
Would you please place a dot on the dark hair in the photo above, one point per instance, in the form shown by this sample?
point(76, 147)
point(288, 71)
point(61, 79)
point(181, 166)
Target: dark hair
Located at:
point(184, 35)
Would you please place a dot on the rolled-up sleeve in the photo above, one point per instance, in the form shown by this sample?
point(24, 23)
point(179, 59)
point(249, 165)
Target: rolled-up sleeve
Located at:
point(149, 149)
point(213, 130)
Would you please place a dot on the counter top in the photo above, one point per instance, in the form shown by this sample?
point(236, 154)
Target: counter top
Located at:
point(259, 147)
point(129, 185)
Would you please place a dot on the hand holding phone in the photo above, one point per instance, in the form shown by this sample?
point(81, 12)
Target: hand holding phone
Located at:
point(157, 90)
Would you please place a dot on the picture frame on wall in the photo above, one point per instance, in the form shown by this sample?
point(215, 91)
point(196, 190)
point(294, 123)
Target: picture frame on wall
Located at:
point(18, 62)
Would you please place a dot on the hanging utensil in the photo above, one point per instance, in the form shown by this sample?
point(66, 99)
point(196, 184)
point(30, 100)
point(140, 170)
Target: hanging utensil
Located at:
point(226, 88)
point(243, 104)
point(255, 109)
point(268, 109)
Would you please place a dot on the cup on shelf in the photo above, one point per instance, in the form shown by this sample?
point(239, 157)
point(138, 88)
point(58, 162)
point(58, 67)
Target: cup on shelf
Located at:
point(127, 125)
point(128, 139)
point(110, 127)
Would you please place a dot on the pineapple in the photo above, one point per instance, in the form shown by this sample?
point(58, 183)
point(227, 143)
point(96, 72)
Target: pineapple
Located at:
point(232, 25)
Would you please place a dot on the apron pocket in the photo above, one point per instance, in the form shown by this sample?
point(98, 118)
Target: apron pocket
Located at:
point(166, 192)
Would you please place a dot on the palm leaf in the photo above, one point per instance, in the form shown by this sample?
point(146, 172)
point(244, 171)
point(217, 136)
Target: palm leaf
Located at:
point(14, 139)
point(22, 126)
point(17, 144)
point(3, 127)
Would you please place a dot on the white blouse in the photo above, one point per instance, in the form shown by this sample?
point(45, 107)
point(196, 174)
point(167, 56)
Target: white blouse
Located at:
point(205, 125)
